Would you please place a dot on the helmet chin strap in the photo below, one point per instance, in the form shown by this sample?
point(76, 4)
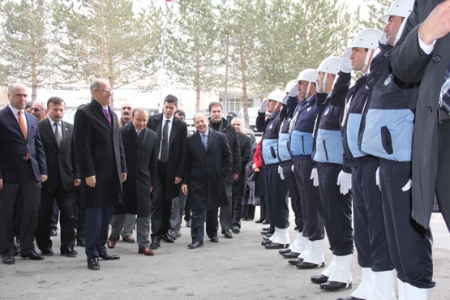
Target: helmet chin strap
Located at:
point(324, 84)
point(400, 31)
point(366, 61)
point(307, 90)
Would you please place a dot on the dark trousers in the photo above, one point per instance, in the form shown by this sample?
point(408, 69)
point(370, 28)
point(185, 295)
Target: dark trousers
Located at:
point(97, 223)
point(238, 199)
point(55, 215)
point(370, 235)
point(313, 224)
point(277, 198)
point(226, 212)
point(66, 204)
point(187, 211)
point(198, 221)
point(161, 207)
point(409, 243)
point(443, 172)
point(291, 185)
point(80, 216)
point(27, 195)
point(336, 210)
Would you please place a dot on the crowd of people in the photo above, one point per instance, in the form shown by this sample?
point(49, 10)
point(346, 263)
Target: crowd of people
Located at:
point(361, 163)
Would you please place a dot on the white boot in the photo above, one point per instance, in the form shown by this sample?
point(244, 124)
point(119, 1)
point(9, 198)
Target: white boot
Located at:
point(328, 270)
point(282, 237)
point(383, 287)
point(342, 272)
point(307, 250)
point(366, 285)
point(401, 287)
point(316, 255)
point(302, 242)
point(275, 234)
point(294, 244)
point(414, 293)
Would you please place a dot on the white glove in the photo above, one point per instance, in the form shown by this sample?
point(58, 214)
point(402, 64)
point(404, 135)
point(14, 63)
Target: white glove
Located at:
point(293, 88)
point(377, 178)
point(263, 107)
point(407, 186)
point(345, 181)
point(280, 171)
point(346, 65)
point(292, 168)
point(314, 177)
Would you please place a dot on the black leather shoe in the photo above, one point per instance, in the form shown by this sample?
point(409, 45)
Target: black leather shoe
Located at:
point(173, 234)
point(214, 239)
point(334, 285)
point(349, 298)
point(265, 228)
point(268, 232)
point(156, 243)
point(266, 222)
point(284, 251)
point(69, 252)
point(47, 252)
point(9, 259)
point(291, 255)
point(32, 255)
point(236, 229)
point(295, 262)
point(93, 264)
point(195, 245)
point(266, 242)
point(228, 234)
point(272, 246)
point(319, 279)
point(259, 221)
point(81, 243)
point(106, 256)
point(166, 238)
point(307, 265)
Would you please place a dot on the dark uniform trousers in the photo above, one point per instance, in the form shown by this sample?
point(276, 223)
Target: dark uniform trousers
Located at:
point(276, 195)
point(336, 210)
point(161, 207)
point(409, 243)
point(313, 224)
point(198, 221)
point(291, 185)
point(370, 235)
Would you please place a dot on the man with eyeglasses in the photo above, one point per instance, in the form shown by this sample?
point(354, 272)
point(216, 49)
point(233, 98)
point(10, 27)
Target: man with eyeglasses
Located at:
point(38, 109)
point(101, 159)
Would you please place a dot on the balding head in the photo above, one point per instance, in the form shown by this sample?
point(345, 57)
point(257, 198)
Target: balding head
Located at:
point(18, 95)
point(101, 92)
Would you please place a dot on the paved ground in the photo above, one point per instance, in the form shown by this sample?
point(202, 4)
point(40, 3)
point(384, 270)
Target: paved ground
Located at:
point(232, 269)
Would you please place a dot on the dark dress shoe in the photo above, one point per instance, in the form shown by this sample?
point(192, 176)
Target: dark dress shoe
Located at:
point(146, 251)
point(259, 221)
point(81, 243)
point(291, 255)
point(93, 264)
point(334, 285)
point(284, 251)
point(349, 298)
point(166, 238)
point(188, 223)
point(111, 242)
point(228, 234)
point(268, 232)
point(195, 245)
point(69, 252)
point(236, 229)
point(173, 234)
point(155, 243)
point(266, 222)
point(9, 259)
point(306, 265)
point(178, 233)
point(295, 262)
point(106, 256)
point(272, 246)
point(47, 252)
point(53, 232)
point(265, 228)
point(214, 239)
point(319, 279)
point(128, 239)
point(32, 255)
point(266, 242)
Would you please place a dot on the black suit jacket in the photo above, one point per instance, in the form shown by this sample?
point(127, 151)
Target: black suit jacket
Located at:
point(99, 150)
point(411, 64)
point(206, 171)
point(141, 157)
point(13, 148)
point(62, 163)
point(176, 163)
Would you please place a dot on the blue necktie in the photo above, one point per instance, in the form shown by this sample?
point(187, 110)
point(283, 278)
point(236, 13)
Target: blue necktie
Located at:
point(445, 91)
point(204, 139)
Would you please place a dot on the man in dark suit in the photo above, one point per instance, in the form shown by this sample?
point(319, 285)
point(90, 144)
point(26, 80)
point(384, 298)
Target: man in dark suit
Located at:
point(141, 153)
point(208, 163)
point(172, 136)
point(22, 169)
point(100, 155)
point(62, 166)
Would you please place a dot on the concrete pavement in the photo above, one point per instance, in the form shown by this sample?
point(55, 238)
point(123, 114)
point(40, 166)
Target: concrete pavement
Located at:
point(239, 268)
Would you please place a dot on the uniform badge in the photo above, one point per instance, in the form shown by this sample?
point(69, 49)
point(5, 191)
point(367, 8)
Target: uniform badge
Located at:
point(271, 125)
point(326, 111)
point(308, 109)
point(388, 80)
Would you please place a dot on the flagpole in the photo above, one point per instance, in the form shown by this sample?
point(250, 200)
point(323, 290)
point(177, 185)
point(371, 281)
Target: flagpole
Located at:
point(161, 71)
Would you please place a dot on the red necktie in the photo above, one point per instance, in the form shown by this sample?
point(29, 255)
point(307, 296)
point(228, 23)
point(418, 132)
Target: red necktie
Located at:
point(24, 130)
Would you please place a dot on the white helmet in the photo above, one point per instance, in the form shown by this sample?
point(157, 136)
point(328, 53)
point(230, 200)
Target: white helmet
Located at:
point(290, 85)
point(276, 95)
point(367, 38)
point(330, 65)
point(309, 75)
point(401, 8)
